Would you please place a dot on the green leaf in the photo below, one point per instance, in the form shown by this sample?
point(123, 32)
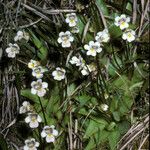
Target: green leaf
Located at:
point(116, 115)
point(111, 126)
point(115, 31)
point(129, 6)
point(123, 127)
point(90, 145)
point(113, 138)
point(53, 102)
point(86, 30)
point(70, 89)
point(80, 24)
point(102, 6)
point(94, 126)
point(103, 135)
point(83, 99)
point(114, 104)
point(39, 43)
point(27, 93)
point(91, 129)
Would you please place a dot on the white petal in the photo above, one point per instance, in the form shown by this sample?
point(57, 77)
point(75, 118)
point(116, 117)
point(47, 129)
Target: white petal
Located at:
point(86, 47)
point(55, 132)
point(72, 24)
point(61, 33)
point(37, 144)
point(67, 20)
point(68, 44)
point(117, 18)
point(58, 78)
point(27, 119)
point(33, 124)
point(128, 19)
point(16, 38)
point(91, 43)
point(22, 110)
point(41, 92)
point(67, 33)
point(33, 74)
point(33, 83)
point(124, 36)
point(71, 39)
point(97, 44)
point(116, 23)
point(52, 126)
point(99, 50)
point(20, 33)
point(33, 91)
point(54, 73)
point(39, 80)
point(92, 53)
point(125, 25)
point(25, 103)
point(8, 50)
point(59, 40)
point(84, 72)
point(96, 38)
point(25, 148)
point(44, 85)
point(123, 16)
point(39, 119)
point(50, 139)
point(43, 134)
point(39, 75)
point(11, 55)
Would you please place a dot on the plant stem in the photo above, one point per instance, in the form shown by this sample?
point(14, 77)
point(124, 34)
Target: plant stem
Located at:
point(42, 110)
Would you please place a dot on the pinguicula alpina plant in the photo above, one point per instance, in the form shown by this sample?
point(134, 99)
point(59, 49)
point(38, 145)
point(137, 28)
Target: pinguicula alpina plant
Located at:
point(93, 48)
point(21, 35)
point(82, 78)
point(12, 50)
point(31, 144)
point(122, 21)
point(49, 133)
point(65, 38)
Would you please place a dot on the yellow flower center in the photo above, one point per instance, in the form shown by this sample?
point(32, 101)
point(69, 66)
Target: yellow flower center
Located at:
point(65, 38)
point(33, 117)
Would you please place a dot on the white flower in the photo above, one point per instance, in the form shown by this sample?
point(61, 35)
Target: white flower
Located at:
point(21, 35)
point(39, 87)
point(38, 72)
point(59, 74)
point(104, 107)
point(33, 119)
point(33, 63)
point(129, 35)
point(65, 38)
point(26, 107)
point(75, 29)
point(122, 21)
point(93, 48)
point(71, 19)
point(31, 144)
point(49, 133)
point(12, 50)
point(77, 61)
point(87, 69)
point(102, 36)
